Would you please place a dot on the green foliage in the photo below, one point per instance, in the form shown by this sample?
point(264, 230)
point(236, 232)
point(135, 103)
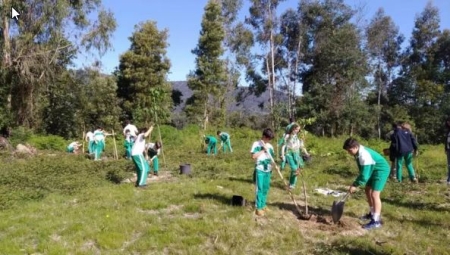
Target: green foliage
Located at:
point(208, 80)
point(41, 176)
point(143, 88)
point(48, 38)
point(51, 142)
point(77, 205)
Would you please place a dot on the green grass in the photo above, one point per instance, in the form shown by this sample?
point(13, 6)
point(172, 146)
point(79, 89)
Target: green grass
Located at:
point(66, 204)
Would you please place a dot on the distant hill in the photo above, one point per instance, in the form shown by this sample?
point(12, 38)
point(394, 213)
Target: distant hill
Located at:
point(244, 100)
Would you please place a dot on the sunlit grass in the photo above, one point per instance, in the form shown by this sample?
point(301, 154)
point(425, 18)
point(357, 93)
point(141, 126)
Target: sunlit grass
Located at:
point(68, 205)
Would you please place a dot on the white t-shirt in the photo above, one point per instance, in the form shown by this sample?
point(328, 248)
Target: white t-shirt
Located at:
point(152, 146)
point(138, 146)
point(99, 135)
point(90, 136)
point(263, 162)
point(133, 129)
point(72, 144)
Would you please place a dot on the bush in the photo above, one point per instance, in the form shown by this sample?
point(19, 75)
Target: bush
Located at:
point(51, 142)
point(20, 135)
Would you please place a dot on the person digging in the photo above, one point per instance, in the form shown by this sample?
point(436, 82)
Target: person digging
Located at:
point(373, 173)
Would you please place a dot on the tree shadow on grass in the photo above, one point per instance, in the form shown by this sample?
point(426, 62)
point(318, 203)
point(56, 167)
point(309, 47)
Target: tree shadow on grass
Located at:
point(226, 200)
point(245, 180)
point(416, 205)
point(344, 172)
point(359, 250)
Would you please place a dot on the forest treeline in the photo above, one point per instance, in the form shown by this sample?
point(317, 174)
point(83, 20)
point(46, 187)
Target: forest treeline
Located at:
point(346, 73)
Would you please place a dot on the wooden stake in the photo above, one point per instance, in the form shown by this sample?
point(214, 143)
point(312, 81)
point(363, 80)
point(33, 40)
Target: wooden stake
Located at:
point(116, 156)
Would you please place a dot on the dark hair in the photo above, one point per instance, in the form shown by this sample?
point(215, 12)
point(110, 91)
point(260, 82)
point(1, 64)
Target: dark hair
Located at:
point(127, 130)
point(291, 119)
point(98, 127)
point(268, 133)
point(158, 144)
point(143, 130)
point(396, 125)
point(218, 132)
point(5, 132)
point(127, 122)
point(350, 143)
point(294, 126)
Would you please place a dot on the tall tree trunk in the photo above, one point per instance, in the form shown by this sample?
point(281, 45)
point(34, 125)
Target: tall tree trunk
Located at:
point(6, 61)
point(379, 100)
point(272, 77)
point(205, 114)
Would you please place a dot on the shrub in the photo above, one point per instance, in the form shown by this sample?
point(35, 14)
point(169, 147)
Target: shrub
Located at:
point(51, 142)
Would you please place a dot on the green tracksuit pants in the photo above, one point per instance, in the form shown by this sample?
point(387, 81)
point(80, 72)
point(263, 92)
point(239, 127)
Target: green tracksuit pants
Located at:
point(211, 148)
point(226, 145)
point(155, 165)
point(295, 162)
point(262, 188)
point(142, 168)
point(98, 148)
point(408, 158)
point(91, 147)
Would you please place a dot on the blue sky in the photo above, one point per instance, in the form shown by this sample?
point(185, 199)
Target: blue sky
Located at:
point(183, 17)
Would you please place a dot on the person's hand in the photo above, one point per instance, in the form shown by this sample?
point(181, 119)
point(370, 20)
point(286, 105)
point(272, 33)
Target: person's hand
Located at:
point(283, 158)
point(352, 189)
point(416, 153)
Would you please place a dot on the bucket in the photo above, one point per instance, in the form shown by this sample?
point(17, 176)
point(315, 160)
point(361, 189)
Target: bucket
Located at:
point(237, 201)
point(185, 169)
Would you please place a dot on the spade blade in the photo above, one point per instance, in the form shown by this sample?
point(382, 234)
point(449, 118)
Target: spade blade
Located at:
point(337, 209)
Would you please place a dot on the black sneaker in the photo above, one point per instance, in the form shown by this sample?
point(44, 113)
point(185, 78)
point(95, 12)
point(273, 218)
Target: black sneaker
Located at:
point(366, 217)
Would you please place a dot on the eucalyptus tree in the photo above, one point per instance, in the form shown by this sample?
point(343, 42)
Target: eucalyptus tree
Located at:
point(209, 77)
point(334, 70)
point(32, 45)
point(143, 89)
point(384, 49)
point(264, 21)
point(418, 87)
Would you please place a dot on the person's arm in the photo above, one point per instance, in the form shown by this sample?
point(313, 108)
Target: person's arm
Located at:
point(414, 143)
point(364, 174)
point(256, 154)
point(149, 131)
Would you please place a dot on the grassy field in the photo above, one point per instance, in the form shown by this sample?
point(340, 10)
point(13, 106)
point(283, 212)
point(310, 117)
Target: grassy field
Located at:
point(55, 203)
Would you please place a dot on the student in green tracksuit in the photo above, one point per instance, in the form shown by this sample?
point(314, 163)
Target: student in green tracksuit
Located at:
point(128, 144)
point(153, 150)
point(73, 147)
point(281, 142)
point(137, 155)
point(373, 173)
point(99, 143)
point(225, 141)
point(211, 142)
point(263, 169)
point(90, 141)
point(290, 152)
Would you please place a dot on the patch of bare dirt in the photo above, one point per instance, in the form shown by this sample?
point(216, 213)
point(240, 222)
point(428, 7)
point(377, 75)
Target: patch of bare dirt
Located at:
point(320, 220)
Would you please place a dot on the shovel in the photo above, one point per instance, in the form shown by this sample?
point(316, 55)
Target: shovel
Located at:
point(338, 208)
point(285, 183)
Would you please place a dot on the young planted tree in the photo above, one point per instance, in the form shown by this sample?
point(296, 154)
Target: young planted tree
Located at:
point(383, 46)
point(208, 80)
point(143, 69)
point(33, 45)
